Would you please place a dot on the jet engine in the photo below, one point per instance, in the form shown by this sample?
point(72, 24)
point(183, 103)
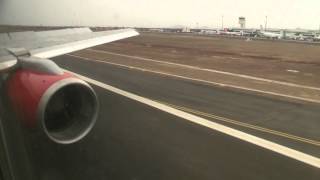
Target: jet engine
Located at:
point(45, 97)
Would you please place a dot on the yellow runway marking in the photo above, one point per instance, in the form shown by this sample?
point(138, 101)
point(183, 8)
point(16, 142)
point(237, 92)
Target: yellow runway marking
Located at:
point(257, 128)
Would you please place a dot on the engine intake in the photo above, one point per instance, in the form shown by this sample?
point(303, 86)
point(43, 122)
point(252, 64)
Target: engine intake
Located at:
point(68, 110)
point(64, 106)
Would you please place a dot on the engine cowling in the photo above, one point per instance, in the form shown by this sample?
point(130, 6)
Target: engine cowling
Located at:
point(64, 106)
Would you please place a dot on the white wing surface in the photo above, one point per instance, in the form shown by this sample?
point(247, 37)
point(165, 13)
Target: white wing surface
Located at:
point(48, 44)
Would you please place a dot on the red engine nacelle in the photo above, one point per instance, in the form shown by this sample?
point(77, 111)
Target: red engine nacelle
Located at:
point(64, 106)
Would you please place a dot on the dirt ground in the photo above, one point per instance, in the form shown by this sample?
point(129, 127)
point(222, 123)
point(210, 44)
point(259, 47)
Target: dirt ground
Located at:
point(284, 61)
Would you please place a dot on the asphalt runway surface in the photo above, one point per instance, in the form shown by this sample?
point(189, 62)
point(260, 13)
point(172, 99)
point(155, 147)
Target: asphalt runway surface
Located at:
point(300, 119)
point(134, 141)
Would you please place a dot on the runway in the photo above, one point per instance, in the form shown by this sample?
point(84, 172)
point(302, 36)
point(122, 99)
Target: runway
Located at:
point(132, 140)
point(287, 117)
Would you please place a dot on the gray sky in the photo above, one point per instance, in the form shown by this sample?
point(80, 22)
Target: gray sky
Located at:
point(156, 13)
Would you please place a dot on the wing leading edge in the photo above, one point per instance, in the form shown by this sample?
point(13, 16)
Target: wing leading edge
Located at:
point(48, 44)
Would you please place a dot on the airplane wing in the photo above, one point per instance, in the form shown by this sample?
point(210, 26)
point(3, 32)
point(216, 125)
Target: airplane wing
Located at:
point(48, 44)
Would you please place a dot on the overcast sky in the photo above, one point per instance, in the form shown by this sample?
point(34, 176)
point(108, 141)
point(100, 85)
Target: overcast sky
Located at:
point(165, 13)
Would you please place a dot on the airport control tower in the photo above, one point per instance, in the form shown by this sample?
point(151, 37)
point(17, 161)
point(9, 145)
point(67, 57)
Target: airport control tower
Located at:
point(242, 22)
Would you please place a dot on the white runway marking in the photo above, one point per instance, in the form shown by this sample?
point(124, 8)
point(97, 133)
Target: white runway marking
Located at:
point(294, 154)
point(200, 80)
point(211, 70)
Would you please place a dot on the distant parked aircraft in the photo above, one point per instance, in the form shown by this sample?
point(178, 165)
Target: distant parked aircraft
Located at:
point(233, 33)
point(317, 38)
point(292, 36)
point(272, 35)
point(210, 31)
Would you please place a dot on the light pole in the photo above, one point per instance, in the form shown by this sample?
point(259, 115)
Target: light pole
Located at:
point(222, 22)
point(266, 23)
